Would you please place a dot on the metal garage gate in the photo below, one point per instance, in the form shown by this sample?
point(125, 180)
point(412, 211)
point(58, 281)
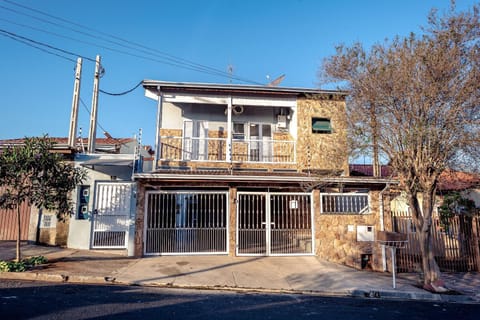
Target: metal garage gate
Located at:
point(186, 222)
point(9, 223)
point(274, 224)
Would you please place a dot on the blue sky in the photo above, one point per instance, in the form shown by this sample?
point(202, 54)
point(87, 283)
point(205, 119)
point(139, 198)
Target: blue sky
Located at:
point(259, 39)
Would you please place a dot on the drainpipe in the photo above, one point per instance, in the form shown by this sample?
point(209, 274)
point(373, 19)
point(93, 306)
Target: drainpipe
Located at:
point(382, 226)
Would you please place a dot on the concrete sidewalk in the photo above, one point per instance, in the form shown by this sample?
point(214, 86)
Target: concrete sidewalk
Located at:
point(302, 274)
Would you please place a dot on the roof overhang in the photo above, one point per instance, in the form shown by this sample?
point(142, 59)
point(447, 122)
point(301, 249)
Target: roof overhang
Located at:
point(108, 163)
point(155, 88)
point(279, 179)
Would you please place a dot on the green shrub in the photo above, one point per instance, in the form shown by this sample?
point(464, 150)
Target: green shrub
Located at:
point(21, 266)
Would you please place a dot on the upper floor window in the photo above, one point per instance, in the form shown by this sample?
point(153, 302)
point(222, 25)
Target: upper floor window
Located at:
point(238, 131)
point(321, 125)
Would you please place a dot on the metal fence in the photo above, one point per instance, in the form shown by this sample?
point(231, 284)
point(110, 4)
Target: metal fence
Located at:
point(180, 222)
point(455, 243)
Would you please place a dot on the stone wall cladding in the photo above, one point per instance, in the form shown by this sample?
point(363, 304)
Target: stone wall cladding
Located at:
point(139, 221)
point(322, 151)
point(335, 243)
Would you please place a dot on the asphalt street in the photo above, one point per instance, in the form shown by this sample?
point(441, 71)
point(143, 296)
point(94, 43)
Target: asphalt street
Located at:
point(40, 300)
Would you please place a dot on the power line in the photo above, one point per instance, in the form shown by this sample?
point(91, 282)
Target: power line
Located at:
point(173, 60)
point(12, 34)
point(171, 57)
point(121, 93)
point(36, 47)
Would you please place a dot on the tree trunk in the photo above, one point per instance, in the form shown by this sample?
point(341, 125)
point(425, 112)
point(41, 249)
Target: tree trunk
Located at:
point(431, 271)
point(423, 222)
point(19, 234)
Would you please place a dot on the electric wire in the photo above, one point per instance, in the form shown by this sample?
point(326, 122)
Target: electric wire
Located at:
point(112, 36)
point(12, 34)
point(37, 47)
point(121, 93)
point(173, 60)
point(27, 41)
point(99, 125)
point(172, 63)
point(100, 46)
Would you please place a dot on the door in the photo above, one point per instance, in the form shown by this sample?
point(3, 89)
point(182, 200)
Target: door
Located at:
point(195, 142)
point(260, 142)
point(274, 224)
point(112, 213)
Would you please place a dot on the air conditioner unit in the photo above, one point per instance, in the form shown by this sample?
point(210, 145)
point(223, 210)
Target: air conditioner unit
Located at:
point(281, 121)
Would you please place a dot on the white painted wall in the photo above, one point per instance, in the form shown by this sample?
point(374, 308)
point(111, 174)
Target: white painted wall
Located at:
point(80, 229)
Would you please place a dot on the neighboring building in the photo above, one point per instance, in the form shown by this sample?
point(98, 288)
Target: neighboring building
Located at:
point(36, 225)
point(255, 171)
point(111, 165)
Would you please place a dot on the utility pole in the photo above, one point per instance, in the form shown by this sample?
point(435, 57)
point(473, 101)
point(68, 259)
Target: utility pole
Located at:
point(93, 115)
point(72, 133)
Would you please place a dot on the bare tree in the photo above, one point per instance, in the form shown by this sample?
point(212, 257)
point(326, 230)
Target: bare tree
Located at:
point(417, 100)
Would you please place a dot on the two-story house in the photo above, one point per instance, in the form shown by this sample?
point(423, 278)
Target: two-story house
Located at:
point(255, 170)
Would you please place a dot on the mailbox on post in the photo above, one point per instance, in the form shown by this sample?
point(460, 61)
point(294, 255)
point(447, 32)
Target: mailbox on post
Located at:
point(393, 240)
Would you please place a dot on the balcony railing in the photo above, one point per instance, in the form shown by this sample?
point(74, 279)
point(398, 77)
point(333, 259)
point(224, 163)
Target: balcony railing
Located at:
point(215, 149)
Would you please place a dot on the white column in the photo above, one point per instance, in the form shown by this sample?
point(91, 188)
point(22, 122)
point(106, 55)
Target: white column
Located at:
point(229, 130)
point(158, 152)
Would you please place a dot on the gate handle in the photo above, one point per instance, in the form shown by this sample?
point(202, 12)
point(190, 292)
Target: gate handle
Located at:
point(272, 223)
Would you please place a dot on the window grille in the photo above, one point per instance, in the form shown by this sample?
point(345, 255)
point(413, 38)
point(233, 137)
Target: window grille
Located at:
point(344, 203)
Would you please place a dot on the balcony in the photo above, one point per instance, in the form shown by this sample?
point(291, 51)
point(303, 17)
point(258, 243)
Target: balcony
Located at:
point(216, 150)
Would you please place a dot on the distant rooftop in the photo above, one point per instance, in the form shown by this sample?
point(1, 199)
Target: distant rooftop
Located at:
point(449, 180)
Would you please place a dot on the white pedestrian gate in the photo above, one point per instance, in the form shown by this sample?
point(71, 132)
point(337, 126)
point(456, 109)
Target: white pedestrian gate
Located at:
point(274, 224)
point(111, 218)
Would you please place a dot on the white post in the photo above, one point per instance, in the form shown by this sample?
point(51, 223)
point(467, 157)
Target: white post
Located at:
point(158, 152)
point(93, 115)
point(72, 133)
point(394, 264)
point(229, 130)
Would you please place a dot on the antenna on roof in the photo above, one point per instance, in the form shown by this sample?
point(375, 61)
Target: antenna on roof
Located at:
point(275, 82)
point(230, 71)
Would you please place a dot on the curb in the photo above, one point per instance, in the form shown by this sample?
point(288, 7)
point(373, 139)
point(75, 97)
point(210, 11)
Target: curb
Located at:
point(358, 293)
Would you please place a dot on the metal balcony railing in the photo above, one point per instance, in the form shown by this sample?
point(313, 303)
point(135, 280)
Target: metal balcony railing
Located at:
point(215, 149)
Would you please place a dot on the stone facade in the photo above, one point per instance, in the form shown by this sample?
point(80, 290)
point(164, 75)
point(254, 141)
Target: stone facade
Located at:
point(336, 236)
point(322, 151)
